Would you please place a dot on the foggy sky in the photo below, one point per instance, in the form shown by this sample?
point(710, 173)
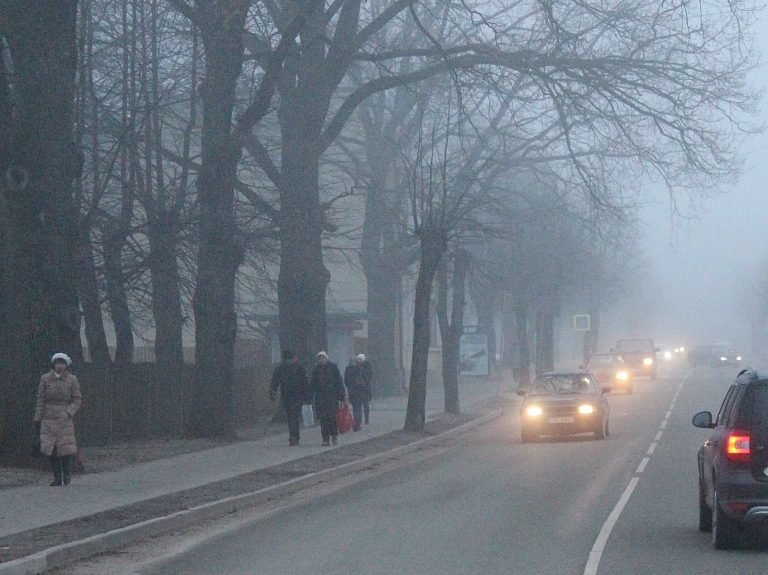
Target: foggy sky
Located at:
point(702, 268)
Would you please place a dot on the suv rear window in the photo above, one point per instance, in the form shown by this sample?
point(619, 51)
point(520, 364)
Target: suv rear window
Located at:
point(760, 408)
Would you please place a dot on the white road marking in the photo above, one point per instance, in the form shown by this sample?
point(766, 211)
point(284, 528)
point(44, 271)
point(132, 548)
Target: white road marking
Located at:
point(597, 549)
point(602, 539)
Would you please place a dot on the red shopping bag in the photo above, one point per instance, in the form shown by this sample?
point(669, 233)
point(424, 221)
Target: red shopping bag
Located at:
point(344, 419)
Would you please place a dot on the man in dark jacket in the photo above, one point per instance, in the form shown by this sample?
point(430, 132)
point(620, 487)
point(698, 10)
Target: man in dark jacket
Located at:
point(328, 388)
point(357, 378)
point(291, 379)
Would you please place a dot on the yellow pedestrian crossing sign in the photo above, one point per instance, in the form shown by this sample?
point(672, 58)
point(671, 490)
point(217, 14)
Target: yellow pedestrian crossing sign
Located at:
point(581, 322)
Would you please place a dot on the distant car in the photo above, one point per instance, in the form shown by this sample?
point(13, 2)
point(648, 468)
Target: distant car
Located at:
point(700, 355)
point(723, 353)
point(612, 371)
point(564, 403)
point(640, 355)
point(733, 462)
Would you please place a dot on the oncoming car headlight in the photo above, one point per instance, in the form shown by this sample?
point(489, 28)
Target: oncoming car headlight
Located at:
point(622, 375)
point(667, 355)
point(533, 411)
point(738, 358)
point(648, 361)
point(586, 409)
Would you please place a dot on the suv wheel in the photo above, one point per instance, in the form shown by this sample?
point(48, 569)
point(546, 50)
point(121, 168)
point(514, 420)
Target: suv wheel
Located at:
point(723, 528)
point(705, 513)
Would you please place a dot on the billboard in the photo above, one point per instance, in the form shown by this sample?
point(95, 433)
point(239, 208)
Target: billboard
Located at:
point(473, 354)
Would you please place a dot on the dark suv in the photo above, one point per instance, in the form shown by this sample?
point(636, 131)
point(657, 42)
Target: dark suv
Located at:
point(733, 462)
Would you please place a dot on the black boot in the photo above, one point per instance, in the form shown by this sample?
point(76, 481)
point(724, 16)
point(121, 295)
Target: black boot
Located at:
point(56, 467)
point(66, 467)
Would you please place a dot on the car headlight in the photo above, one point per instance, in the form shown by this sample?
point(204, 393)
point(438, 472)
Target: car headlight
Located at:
point(622, 375)
point(667, 355)
point(586, 409)
point(738, 358)
point(723, 358)
point(648, 361)
point(533, 411)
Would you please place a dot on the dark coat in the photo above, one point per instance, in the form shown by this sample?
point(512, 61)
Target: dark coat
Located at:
point(328, 388)
point(357, 378)
point(291, 380)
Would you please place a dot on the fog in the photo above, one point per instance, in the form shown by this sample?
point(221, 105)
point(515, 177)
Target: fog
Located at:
point(704, 266)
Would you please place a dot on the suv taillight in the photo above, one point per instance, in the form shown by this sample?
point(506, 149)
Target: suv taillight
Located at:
point(737, 446)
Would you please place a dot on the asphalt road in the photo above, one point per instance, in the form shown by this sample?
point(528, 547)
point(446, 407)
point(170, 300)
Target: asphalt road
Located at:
point(485, 504)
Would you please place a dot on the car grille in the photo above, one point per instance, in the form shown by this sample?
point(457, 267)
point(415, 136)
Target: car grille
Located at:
point(561, 410)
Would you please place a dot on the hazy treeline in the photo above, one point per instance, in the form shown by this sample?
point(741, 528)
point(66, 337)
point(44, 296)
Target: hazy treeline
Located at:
point(208, 158)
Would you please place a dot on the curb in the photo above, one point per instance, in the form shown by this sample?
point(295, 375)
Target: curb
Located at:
point(62, 555)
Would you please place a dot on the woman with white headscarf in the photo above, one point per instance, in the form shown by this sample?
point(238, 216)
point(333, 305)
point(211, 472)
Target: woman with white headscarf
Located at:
point(58, 399)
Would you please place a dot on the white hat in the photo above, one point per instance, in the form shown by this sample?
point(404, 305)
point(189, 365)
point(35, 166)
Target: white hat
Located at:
point(63, 356)
point(360, 356)
point(325, 355)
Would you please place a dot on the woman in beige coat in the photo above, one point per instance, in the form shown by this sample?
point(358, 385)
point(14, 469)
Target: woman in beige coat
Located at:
point(58, 399)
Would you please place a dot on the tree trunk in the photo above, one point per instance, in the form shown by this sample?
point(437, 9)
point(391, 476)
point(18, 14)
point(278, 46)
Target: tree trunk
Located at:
point(452, 328)
point(95, 334)
point(521, 322)
point(220, 253)
point(303, 278)
point(117, 299)
point(166, 309)
point(38, 163)
point(383, 294)
point(545, 342)
point(433, 243)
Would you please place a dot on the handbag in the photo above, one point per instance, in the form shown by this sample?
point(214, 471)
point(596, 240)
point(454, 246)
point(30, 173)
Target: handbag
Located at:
point(308, 416)
point(344, 419)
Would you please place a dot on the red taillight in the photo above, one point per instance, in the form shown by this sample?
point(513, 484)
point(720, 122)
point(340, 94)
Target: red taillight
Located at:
point(737, 446)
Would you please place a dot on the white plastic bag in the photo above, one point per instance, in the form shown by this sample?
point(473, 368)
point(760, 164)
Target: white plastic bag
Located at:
point(308, 415)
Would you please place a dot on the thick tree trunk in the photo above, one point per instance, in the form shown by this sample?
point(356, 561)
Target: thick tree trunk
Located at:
point(383, 296)
point(39, 314)
point(220, 253)
point(452, 328)
point(303, 278)
point(433, 244)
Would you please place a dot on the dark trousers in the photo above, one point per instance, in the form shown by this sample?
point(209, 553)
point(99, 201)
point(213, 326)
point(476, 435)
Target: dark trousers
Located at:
point(328, 426)
point(293, 413)
point(357, 413)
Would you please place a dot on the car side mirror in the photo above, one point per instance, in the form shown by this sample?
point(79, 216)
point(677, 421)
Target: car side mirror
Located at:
point(703, 419)
point(521, 392)
point(605, 390)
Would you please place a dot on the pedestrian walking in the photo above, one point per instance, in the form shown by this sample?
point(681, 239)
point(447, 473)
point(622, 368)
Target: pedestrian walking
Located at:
point(328, 388)
point(357, 379)
point(290, 379)
point(58, 399)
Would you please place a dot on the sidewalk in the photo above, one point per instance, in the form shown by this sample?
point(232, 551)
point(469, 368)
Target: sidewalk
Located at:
point(27, 508)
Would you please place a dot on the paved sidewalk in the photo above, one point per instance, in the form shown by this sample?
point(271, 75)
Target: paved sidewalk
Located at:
point(26, 508)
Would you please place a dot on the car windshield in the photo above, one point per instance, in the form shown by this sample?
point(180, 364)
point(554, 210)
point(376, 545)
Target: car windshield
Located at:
point(605, 361)
point(562, 383)
point(635, 346)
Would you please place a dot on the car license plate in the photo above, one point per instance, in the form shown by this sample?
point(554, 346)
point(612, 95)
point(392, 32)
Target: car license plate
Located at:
point(562, 419)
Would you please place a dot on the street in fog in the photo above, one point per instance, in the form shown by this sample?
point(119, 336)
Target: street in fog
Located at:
point(493, 505)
